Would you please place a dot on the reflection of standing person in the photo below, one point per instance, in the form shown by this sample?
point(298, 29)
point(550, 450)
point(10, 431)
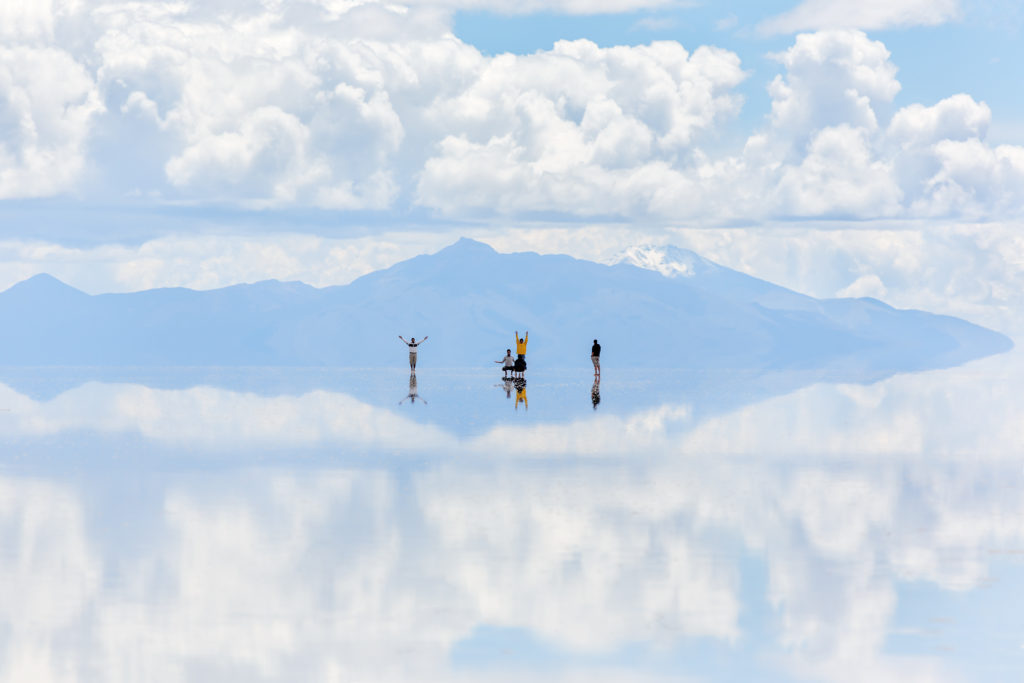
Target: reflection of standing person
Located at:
point(520, 366)
point(595, 392)
point(507, 364)
point(412, 350)
point(413, 394)
point(595, 357)
point(521, 394)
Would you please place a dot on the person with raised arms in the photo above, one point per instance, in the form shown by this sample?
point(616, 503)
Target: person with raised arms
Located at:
point(520, 365)
point(412, 350)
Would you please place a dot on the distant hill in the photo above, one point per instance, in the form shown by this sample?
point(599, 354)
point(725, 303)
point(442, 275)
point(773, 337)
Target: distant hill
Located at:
point(469, 298)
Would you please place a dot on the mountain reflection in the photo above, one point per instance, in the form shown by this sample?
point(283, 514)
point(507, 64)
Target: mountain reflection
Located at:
point(933, 413)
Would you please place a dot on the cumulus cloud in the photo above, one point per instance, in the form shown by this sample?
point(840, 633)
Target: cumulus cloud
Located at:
point(838, 176)
point(831, 150)
point(377, 106)
point(47, 104)
point(832, 78)
point(277, 111)
point(578, 125)
point(867, 14)
point(832, 147)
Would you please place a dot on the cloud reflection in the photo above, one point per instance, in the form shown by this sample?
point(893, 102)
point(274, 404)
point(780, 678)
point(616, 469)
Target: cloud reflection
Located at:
point(329, 574)
point(841, 497)
point(968, 412)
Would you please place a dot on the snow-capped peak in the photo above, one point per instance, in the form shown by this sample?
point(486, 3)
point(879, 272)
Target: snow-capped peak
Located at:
point(669, 260)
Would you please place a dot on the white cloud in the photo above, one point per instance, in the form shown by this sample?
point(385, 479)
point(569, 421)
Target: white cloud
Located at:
point(264, 115)
point(864, 286)
point(728, 22)
point(829, 151)
point(974, 179)
point(560, 6)
point(654, 24)
point(47, 104)
point(375, 106)
point(969, 270)
point(955, 118)
point(579, 126)
point(832, 78)
point(838, 176)
point(865, 14)
point(212, 261)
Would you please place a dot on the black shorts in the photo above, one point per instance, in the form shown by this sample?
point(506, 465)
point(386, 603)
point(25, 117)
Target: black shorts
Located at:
point(520, 363)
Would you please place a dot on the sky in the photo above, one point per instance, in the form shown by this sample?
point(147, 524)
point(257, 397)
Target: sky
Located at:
point(872, 148)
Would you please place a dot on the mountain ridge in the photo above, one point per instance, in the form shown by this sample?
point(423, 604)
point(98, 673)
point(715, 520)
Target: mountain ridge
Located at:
point(469, 298)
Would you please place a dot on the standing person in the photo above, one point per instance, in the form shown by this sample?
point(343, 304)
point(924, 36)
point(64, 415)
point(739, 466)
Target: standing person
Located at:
point(412, 350)
point(520, 366)
point(507, 363)
point(595, 358)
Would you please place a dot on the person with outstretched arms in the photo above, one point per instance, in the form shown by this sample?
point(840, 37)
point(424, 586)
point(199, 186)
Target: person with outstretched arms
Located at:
point(412, 344)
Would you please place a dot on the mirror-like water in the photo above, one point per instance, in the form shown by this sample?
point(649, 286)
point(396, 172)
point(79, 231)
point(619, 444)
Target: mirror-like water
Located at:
point(301, 525)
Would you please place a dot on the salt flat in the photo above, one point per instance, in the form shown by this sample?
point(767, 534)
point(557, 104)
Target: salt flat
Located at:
point(224, 530)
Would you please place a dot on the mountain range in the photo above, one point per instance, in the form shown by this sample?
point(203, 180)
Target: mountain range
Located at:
point(469, 299)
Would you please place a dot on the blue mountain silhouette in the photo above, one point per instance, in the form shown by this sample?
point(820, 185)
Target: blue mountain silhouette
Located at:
point(469, 298)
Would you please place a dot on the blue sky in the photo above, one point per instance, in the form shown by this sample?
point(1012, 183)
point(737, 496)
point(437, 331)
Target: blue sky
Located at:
point(206, 143)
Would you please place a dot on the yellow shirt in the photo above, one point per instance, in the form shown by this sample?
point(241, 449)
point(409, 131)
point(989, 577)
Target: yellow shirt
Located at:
point(521, 345)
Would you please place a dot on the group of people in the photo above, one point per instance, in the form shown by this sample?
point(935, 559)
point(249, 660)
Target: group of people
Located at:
point(516, 366)
point(514, 370)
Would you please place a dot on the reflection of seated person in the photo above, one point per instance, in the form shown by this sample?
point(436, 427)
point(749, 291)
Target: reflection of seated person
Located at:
point(412, 391)
point(595, 392)
point(521, 394)
point(507, 386)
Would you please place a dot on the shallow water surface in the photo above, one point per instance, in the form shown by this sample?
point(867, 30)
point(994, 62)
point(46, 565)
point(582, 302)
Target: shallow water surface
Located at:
point(297, 524)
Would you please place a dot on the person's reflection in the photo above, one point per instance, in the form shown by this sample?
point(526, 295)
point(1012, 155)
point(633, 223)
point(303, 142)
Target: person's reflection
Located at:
point(595, 391)
point(520, 385)
point(412, 391)
point(507, 385)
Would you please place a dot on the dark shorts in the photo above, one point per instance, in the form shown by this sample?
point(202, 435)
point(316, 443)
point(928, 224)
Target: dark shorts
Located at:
point(520, 363)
